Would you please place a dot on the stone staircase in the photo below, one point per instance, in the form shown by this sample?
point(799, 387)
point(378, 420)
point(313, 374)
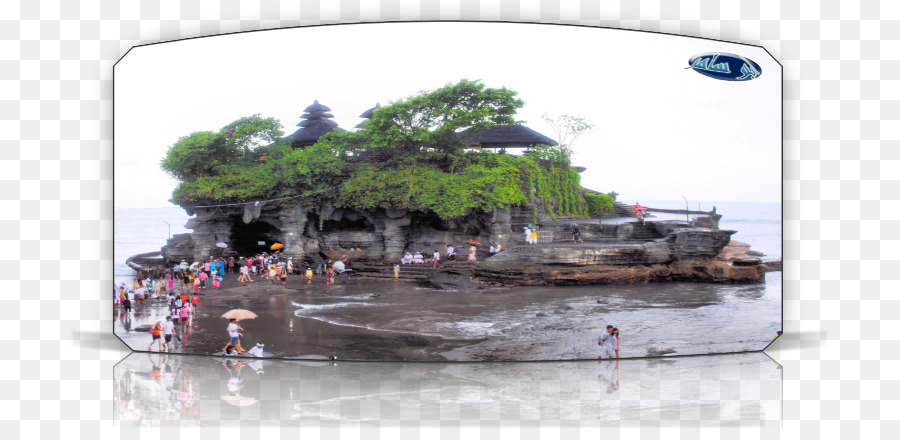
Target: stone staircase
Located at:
point(619, 210)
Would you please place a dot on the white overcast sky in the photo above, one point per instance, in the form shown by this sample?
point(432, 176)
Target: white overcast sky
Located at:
point(664, 131)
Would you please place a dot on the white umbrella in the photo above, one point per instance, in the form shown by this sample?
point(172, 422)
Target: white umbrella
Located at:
point(222, 244)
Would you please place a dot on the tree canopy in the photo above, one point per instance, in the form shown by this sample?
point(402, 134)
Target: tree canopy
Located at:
point(407, 155)
point(206, 153)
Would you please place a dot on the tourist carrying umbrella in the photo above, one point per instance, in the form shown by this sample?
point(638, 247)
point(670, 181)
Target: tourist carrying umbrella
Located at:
point(234, 329)
point(576, 234)
point(472, 251)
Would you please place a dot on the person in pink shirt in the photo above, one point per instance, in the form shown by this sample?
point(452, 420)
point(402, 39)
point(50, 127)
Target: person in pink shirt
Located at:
point(185, 313)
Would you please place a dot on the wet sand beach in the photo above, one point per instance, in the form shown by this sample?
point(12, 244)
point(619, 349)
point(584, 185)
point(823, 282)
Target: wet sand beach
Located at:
point(365, 319)
point(284, 334)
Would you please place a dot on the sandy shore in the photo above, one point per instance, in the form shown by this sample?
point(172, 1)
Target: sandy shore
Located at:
point(283, 333)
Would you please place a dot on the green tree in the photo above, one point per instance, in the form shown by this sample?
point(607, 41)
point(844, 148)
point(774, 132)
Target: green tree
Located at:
point(198, 154)
point(431, 119)
point(205, 153)
point(597, 203)
point(250, 132)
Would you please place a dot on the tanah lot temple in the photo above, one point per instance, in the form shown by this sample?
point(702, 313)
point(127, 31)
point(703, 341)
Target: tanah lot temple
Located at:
point(617, 247)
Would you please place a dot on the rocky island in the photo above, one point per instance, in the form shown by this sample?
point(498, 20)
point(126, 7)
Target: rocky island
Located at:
point(440, 168)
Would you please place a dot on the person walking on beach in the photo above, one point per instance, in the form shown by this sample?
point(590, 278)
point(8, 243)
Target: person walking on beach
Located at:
point(245, 274)
point(283, 275)
point(435, 258)
point(234, 335)
point(155, 331)
point(605, 343)
point(396, 272)
point(185, 313)
point(273, 274)
point(173, 307)
point(472, 251)
point(168, 330)
point(329, 275)
point(616, 341)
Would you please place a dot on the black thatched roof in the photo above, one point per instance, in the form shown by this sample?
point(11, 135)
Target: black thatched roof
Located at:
point(306, 136)
point(316, 123)
point(316, 107)
point(316, 115)
point(368, 113)
point(505, 136)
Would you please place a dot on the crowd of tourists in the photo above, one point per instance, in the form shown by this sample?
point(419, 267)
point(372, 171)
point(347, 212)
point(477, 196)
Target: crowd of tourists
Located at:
point(434, 257)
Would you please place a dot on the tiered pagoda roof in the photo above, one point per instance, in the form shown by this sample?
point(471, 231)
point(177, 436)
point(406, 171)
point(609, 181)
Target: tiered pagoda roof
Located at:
point(315, 124)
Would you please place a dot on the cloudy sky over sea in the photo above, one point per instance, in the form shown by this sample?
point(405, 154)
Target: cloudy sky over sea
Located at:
point(663, 131)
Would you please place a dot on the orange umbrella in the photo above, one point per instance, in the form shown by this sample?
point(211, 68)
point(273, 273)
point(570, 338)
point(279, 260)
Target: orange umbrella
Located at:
point(276, 246)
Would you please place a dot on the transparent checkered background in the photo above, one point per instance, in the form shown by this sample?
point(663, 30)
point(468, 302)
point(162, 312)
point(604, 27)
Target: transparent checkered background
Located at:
point(841, 105)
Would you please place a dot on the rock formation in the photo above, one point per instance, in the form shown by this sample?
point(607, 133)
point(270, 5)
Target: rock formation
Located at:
point(683, 255)
point(625, 252)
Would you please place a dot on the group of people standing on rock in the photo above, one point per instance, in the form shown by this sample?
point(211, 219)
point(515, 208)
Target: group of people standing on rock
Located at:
point(276, 268)
point(419, 257)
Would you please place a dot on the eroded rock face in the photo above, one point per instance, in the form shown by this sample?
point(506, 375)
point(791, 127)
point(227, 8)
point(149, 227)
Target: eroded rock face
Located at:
point(684, 255)
point(374, 237)
point(362, 235)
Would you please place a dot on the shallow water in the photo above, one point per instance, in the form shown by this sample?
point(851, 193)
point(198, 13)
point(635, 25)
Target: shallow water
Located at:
point(654, 319)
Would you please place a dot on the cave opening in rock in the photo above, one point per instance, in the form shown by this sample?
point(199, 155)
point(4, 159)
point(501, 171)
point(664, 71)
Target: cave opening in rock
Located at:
point(245, 238)
point(347, 225)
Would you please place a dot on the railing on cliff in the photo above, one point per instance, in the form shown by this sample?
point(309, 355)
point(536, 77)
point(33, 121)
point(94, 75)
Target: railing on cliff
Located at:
point(682, 211)
point(544, 236)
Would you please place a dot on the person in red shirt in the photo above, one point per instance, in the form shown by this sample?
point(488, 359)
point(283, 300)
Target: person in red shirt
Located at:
point(155, 330)
point(195, 301)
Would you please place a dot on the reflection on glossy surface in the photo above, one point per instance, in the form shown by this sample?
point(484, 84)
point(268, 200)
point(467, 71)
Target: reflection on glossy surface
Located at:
point(199, 390)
